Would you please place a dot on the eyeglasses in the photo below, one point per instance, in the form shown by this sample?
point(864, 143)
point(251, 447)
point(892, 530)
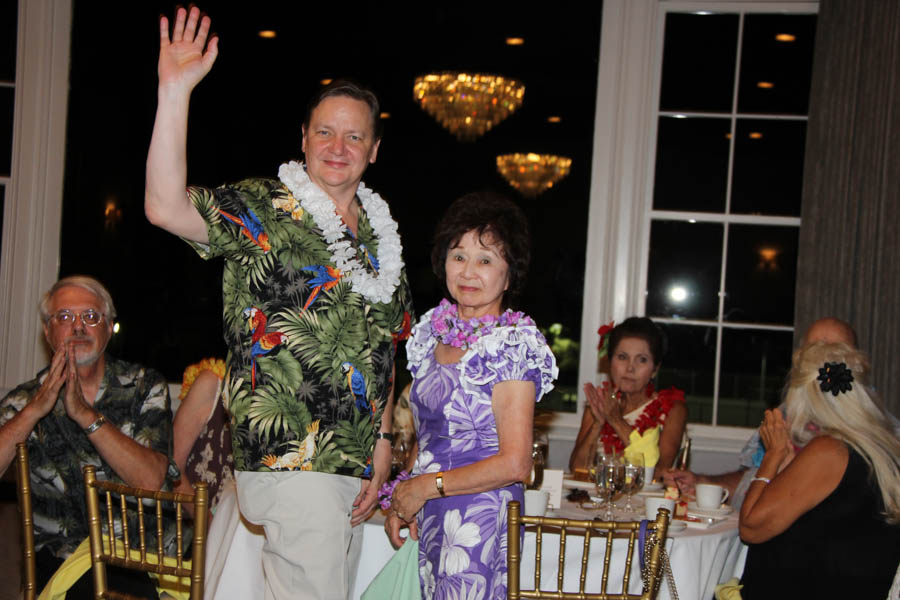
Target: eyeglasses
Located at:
point(90, 317)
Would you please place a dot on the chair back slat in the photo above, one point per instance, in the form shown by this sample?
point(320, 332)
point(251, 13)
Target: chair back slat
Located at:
point(108, 548)
point(26, 513)
point(609, 531)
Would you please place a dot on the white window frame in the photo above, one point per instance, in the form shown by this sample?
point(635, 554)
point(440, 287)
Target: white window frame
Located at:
point(622, 173)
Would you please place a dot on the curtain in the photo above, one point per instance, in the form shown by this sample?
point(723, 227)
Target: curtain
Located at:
point(849, 254)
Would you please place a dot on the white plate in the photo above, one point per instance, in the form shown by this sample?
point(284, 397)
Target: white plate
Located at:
point(572, 484)
point(722, 511)
point(677, 526)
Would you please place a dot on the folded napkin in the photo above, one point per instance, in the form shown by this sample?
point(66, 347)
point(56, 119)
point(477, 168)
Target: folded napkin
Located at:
point(79, 563)
point(646, 445)
point(399, 579)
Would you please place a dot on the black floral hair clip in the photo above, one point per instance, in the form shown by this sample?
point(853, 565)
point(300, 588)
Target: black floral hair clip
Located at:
point(835, 378)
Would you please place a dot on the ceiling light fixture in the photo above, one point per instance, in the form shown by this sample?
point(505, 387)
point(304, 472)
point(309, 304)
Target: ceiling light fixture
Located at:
point(531, 174)
point(554, 119)
point(766, 85)
point(785, 37)
point(267, 34)
point(468, 105)
point(515, 41)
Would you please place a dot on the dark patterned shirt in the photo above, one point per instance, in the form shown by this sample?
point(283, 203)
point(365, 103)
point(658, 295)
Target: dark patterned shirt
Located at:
point(134, 399)
point(310, 360)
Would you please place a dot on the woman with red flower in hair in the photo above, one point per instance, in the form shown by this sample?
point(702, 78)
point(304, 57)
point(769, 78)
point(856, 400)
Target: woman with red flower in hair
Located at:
point(629, 401)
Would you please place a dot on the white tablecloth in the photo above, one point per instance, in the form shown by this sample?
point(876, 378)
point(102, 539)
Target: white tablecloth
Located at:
point(700, 558)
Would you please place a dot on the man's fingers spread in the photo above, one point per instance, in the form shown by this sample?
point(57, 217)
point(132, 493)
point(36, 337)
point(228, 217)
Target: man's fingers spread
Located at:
point(178, 31)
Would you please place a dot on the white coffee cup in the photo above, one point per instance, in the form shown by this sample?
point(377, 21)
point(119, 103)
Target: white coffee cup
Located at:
point(710, 495)
point(536, 502)
point(652, 504)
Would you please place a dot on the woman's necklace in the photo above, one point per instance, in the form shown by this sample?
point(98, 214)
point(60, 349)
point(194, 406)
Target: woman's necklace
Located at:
point(450, 329)
point(377, 288)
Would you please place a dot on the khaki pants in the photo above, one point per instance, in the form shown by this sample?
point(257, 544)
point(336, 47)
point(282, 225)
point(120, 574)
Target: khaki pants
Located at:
point(311, 551)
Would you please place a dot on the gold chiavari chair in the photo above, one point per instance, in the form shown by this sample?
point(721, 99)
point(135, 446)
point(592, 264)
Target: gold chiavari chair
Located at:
point(114, 546)
point(23, 488)
point(589, 531)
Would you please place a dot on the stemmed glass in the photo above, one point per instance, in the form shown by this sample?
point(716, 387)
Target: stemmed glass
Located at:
point(399, 456)
point(608, 477)
point(633, 468)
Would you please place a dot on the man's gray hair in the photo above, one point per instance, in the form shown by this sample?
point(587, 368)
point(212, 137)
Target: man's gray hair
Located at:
point(83, 281)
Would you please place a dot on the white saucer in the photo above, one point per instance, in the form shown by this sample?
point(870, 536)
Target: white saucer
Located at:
point(676, 526)
point(722, 511)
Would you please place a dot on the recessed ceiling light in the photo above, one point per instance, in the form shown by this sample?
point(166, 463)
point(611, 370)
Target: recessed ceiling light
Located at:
point(385, 115)
point(325, 81)
point(766, 85)
point(785, 37)
point(515, 41)
point(267, 34)
point(554, 119)
point(755, 135)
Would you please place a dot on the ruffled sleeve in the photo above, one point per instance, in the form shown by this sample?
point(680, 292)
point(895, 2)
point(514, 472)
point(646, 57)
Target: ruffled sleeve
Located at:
point(517, 353)
point(420, 346)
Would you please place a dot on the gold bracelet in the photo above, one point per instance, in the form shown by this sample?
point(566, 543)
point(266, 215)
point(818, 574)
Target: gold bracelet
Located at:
point(439, 484)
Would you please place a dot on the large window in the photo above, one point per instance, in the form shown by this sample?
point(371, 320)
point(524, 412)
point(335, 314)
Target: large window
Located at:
point(722, 224)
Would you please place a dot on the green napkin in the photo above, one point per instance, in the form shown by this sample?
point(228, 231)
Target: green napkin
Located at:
point(399, 579)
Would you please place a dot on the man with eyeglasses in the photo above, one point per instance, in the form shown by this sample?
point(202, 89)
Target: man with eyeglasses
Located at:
point(85, 408)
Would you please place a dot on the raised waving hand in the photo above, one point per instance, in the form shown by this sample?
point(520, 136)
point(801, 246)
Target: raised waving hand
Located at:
point(185, 58)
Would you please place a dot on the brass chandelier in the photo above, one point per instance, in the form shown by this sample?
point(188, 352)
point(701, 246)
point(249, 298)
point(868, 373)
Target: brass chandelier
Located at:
point(468, 105)
point(531, 173)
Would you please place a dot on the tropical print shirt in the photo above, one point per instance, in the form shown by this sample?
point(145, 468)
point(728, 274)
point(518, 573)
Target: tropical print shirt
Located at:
point(133, 399)
point(310, 361)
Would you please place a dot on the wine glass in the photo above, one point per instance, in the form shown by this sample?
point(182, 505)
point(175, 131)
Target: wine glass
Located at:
point(399, 456)
point(609, 478)
point(633, 480)
point(538, 458)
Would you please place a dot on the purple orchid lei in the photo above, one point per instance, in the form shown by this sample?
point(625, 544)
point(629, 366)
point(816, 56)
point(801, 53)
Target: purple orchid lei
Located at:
point(450, 329)
point(387, 490)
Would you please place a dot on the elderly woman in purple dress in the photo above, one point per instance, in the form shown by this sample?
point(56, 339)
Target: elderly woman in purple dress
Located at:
point(478, 369)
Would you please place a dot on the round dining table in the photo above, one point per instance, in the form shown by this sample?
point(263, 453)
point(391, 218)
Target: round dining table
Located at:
point(702, 555)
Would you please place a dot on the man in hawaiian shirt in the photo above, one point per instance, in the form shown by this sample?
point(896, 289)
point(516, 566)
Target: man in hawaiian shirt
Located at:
point(86, 408)
point(315, 300)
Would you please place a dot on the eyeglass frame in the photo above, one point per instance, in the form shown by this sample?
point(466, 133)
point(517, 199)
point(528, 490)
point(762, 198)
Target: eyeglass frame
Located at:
point(76, 317)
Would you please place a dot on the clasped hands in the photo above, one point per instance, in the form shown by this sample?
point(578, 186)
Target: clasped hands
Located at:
point(64, 372)
point(406, 502)
point(773, 430)
point(603, 404)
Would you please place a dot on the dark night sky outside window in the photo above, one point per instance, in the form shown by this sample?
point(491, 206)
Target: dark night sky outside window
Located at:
point(722, 254)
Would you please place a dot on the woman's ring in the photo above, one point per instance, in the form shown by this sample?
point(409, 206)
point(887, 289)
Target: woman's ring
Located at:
point(399, 514)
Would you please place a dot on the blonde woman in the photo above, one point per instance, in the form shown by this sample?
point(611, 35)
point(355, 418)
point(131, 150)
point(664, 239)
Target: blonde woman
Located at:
point(821, 516)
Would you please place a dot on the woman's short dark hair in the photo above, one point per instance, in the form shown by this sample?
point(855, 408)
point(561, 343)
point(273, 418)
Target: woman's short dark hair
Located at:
point(350, 89)
point(492, 214)
point(643, 328)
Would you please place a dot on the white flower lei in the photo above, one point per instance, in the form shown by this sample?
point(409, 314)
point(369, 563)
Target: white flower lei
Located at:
point(390, 252)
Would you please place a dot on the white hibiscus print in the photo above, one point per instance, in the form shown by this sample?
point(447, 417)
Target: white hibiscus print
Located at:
point(425, 463)
point(426, 577)
point(457, 537)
